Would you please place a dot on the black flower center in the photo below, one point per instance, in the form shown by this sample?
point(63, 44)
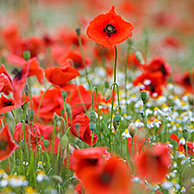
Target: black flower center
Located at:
point(105, 178)
point(109, 29)
point(92, 162)
point(163, 70)
point(3, 144)
point(17, 73)
point(8, 103)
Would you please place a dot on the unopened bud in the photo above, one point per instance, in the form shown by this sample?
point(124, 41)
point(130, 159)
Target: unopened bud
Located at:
point(144, 96)
point(132, 129)
point(93, 116)
point(46, 143)
point(64, 94)
point(30, 114)
point(92, 126)
point(78, 31)
point(108, 94)
point(185, 134)
point(191, 99)
point(64, 142)
point(139, 57)
point(26, 55)
point(117, 118)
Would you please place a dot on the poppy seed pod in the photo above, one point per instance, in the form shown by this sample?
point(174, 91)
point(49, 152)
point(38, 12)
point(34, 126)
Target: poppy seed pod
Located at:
point(132, 129)
point(46, 143)
point(108, 94)
point(185, 134)
point(139, 57)
point(144, 96)
point(26, 55)
point(93, 116)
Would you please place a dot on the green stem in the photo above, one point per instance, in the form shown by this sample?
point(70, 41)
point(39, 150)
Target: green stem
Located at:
point(111, 119)
point(99, 128)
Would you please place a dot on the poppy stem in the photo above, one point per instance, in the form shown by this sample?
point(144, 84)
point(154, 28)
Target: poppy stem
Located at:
point(2, 123)
point(96, 89)
point(111, 114)
point(41, 102)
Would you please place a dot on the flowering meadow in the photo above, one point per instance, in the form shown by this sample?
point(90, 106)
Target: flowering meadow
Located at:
point(97, 97)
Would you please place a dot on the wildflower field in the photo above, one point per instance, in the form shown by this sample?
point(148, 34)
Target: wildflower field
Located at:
point(97, 97)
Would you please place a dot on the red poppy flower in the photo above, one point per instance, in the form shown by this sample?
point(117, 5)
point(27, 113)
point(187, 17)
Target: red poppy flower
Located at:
point(46, 130)
point(133, 61)
point(109, 29)
point(88, 158)
point(33, 63)
point(80, 100)
point(80, 128)
point(19, 82)
point(112, 178)
point(78, 189)
point(153, 163)
point(7, 105)
point(182, 144)
point(34, 133)
point(7, 146)
point(35, 69)
point(185, 80)
point(52, 102)
point(76, 59)
point(32, 44)
point(5, 81)
point(69, 38)
point(59, 76)
point(160, 65)
point(138, 143)
point(151, 82)
point(102, 53)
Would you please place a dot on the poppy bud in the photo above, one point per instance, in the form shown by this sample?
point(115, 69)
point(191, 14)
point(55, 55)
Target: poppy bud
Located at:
point(92, 126)
point(30, 114)
point(115, 124)
point(46, 143)
point(26, 90)
point(93, 116)
point(78, 31)
point(191, 99)
point(106, 84)
point(77, 126)
point(132, 129)
point(64, 142)
point(117, 118)
point(57, 179)
point(185, 134)
point(26, 55)
point(144, 96)
point(116, 121)
point(68, 109)
point(139, 57)
point(108, 94)
point(64, 94)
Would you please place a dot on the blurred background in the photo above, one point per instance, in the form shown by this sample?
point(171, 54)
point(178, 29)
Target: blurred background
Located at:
point(168, 25)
